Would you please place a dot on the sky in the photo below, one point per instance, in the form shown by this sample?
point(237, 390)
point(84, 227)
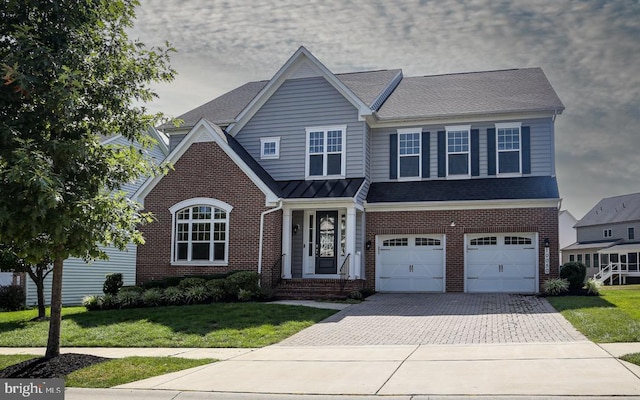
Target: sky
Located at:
point(589, 50)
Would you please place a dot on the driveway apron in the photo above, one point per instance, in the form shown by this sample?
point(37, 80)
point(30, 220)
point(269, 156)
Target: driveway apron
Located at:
point(443, 318)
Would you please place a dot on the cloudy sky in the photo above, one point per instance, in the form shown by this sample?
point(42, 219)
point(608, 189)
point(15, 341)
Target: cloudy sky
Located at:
point(589, 50)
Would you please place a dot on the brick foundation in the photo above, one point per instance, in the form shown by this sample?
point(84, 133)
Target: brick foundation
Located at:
point(541, 220)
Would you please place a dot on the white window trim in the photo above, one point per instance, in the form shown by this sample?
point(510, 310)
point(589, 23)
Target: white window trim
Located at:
point(343, 152)
point(205, 201)
point(607, 233)
point(508, 125)
point(265, 140)
point(453, 129)
point(631, 229)
point(408, 131)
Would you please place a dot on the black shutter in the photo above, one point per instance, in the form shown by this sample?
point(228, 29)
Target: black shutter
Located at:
point(426, 152)
point(491, 151)
point(393, 156)
point(475, 152)
point(526, 150)
point(442, 154)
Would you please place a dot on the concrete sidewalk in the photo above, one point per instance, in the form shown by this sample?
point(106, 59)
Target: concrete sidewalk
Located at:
point(532, 369)
point(508, 370)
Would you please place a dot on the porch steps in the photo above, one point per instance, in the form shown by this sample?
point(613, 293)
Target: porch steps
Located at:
point(313, 289)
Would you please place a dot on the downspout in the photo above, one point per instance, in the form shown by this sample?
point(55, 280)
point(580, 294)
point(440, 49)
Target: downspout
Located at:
point(279, 207)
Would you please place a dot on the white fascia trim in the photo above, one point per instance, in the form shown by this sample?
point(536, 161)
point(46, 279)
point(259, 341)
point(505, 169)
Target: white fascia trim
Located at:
point(461, 205)
point(205, 131)
point(111, 139)
point(322, 204)
point(281, 76)
point(162, 139)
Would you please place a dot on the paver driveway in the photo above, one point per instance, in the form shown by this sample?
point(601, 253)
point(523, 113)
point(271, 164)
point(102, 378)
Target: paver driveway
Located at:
point(444, 318)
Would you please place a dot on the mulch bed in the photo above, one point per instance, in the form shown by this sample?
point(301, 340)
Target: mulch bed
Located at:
point(55, 367)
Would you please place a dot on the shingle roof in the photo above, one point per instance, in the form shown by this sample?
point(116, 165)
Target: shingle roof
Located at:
point(368, 85)
point(514, 90)
point(613, 209)
point(538, 187)
point(301, 189)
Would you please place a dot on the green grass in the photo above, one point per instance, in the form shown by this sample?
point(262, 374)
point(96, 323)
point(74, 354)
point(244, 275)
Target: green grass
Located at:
point(124, 370)
point(116, 371)
point(610, 318)
point(633, 358)
point(211, 325)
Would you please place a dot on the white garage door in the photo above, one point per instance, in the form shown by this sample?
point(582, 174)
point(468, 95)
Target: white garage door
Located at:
point(504, 262)
point(410, 263)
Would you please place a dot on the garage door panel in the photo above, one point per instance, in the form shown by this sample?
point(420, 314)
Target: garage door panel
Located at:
point(501, 263)
point(410, 263)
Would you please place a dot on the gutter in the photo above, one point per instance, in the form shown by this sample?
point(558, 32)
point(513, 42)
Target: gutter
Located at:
point(262, 215)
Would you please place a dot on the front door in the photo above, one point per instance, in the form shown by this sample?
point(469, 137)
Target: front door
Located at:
point(326, 242)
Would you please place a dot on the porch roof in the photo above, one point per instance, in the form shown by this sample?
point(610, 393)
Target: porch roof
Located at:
point(323, 188)
point(621, 249)
point(592, 245)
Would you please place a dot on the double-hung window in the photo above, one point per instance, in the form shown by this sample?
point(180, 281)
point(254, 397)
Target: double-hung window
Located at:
point(325, 152)
point(509, 148)
point(409, 153)
point(458, 153)
point(200, 232)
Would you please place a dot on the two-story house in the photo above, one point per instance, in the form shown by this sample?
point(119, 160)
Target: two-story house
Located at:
point(608, 239)
point(323, 181)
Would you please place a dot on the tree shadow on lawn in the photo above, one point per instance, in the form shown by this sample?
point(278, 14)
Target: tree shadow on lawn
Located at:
point(562, 303)
point(203, 319)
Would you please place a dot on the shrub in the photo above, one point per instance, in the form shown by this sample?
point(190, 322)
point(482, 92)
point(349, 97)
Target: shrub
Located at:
point(555, 287)
point(246, 280)
point(196, 294)
point(112, 284)
point(152, 297)
point(245, 295)
point(574, 272)
point(110, 301)
point(356, 295)
point(129, 297)
point(12, 298)
point(174, 296)
point(593, 287)
point(216, 293)
point(92, 303)
point(366, 292)
point(266, 293)
point(191, 282)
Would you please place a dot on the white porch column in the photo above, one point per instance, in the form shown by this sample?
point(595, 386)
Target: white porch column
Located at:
point(351, 241)
point(286, 243)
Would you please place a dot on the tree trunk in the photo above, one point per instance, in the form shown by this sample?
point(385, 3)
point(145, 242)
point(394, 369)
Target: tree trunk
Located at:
point(37, 275)
point(53, 344)
point(42, 314)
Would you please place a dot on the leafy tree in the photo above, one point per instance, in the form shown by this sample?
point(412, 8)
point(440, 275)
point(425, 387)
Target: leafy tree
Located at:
point(70, 76)
point(10, 262)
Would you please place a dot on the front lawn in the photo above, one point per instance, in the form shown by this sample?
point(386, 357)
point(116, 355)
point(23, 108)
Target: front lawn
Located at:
point(116, 371)
point(612, 317)
point(210, 325)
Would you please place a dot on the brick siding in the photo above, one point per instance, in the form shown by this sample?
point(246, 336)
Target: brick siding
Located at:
point(205, 170)
point(541, 220)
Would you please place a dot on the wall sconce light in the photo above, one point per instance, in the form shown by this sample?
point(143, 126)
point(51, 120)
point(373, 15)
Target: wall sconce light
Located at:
point(546, 242)
point(453, 223)
point(296, 228)
point(368, 245)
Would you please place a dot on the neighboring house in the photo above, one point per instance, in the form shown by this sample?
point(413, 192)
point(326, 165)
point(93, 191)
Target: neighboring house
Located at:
point(608, 239)
point(79, 278)
point(328, 182)
point(566, 230)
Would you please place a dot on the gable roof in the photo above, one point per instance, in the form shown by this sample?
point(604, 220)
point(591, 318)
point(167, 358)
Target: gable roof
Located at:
point(537, 187)
point(613, 209)
point(506, 91)
point(205, 131)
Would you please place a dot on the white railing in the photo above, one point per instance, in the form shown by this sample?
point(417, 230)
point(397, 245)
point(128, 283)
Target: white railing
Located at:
point(609, 271)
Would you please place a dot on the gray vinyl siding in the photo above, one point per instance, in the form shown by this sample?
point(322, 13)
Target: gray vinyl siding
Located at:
point(175, 139)
point(297, 250)
point(80, 279)
point(366, 149)
point(362, 195)
point(595, 233)
point(296, 105)
point(542, 148)
point(155, 152)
